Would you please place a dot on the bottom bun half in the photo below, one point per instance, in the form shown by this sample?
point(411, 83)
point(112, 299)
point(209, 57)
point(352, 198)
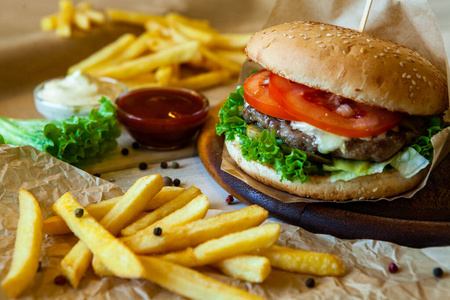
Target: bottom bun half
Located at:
point(374, 186)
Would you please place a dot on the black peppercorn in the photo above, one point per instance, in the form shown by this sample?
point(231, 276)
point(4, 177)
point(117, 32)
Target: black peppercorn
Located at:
point(175, 165)
point(79, 212)
point(310, 283)
point(438, 272)
point(157, 231)
point(167, 181)
point(143, 166)
point(176, 182)
point(124, 151)
point(135, 145)
point(163, 165)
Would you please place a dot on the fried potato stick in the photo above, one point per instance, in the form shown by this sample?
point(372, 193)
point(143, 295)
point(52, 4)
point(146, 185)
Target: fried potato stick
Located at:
point(197, 232)
point(161, 212)
point(55, 225)
point(73, 265)
point(27, 246)
point(230, 245)
point(302, 261)
point(114, 254)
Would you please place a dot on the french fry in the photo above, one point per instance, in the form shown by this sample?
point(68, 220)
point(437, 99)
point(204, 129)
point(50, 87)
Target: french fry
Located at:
point(73, 265)
point(177, 54)
point(231, 40)
point(165, 75)
point(109, 52)
point(250, 268)
point(54, 225)
point(161, 212)
point(301, 261)
point(63, 24)
point(194, 210)
point(189, 283)
point(95, 16)
point(124, 16)
point(138, 47)
point(226, 64)
point(203, 80)
point(193, 30)
point(27, 246)
point(49, 23)
point(197, 232)
point(230, 245)
point(237, 56)
point(114, 254)
point(81, 20)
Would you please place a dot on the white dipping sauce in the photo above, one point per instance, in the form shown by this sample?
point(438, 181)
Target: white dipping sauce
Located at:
point(77, 89)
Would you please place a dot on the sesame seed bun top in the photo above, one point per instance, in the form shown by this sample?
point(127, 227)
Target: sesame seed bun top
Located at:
point(351, 64)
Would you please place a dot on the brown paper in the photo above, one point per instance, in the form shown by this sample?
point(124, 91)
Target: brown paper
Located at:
point(366, 261)
point(406, 22)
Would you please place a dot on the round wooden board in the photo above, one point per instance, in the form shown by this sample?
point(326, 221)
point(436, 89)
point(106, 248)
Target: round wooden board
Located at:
point(421, 221)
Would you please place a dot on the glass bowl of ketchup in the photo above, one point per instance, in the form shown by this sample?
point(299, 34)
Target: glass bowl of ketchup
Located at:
point(162, 118)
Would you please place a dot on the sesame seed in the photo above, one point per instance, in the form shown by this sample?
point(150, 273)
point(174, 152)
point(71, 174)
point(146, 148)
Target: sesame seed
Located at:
point(329, 34)
point(418, 76)
point(321, 46)
point(402, 64)
point(368, 40)
point(418, 88)
point(381, 54)
point(322, 28)
point(318, 35)
point(306, 38)
point(395, 55)
point(424, 78)
point(318, 42)
point(291, 37)
point(338, 35)
point(345, 42)
point(408, 77)
point(376, 56)
point(370, 46)
point(363, 50)
point(411, 95)
point(413, 82)
point(284, 34)
point(307, 28)
point(345, 53)
point(404, 75)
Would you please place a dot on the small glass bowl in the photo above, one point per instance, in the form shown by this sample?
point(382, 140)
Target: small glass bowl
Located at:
point(162, 118)
point(52, 110)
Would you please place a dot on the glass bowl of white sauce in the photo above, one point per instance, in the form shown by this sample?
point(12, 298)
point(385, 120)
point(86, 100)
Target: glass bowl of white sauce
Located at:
point(75, 94)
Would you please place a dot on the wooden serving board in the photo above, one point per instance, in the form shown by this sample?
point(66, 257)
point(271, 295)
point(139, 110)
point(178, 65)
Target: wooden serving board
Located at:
point(421, 221)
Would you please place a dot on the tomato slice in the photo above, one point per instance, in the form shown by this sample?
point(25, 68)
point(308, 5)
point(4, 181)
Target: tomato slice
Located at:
point(330, 112)
point(256, 93)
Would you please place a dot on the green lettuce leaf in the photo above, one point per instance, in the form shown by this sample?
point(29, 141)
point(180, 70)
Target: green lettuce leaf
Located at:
point(77, 140)
point(266, 149)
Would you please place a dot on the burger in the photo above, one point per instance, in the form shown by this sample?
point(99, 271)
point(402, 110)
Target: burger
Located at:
point(334, 114)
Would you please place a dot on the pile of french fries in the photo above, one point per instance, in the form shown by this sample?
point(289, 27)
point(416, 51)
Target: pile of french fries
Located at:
point(172, 51)
point(160, 233)
point(81, 16)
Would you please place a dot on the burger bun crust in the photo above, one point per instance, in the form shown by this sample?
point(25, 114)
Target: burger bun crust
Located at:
point(353, 65)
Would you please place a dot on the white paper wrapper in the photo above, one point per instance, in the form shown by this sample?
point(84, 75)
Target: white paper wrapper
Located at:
point(406, 22)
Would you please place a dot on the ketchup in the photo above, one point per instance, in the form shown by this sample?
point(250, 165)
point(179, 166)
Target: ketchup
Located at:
point(162, 118)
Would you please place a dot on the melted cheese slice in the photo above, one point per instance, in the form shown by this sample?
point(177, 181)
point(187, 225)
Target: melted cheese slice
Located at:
point(325, 141)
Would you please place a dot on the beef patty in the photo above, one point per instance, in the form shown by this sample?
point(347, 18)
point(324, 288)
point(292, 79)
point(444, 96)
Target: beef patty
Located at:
point(377, 148)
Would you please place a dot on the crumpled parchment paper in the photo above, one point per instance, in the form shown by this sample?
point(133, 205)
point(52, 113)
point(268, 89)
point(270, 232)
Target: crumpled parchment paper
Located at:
point(366, 261)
